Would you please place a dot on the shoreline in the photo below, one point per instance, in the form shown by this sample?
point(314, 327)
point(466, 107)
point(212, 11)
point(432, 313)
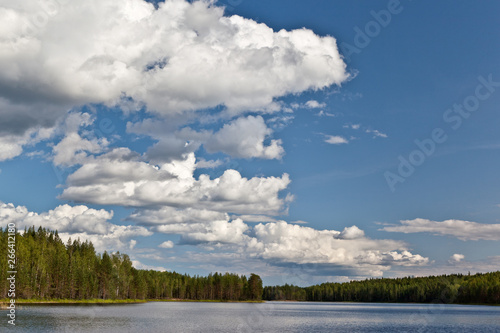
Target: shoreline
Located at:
point(5, 302)
point(23, 302)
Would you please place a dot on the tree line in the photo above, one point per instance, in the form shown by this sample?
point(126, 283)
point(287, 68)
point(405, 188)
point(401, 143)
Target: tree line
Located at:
point(447, 289)
point(49, 269)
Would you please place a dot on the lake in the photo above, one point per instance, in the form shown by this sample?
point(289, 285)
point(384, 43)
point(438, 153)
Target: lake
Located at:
point(260, 317)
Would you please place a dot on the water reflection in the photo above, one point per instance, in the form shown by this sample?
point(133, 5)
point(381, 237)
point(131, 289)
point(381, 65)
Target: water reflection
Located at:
point(265, 317)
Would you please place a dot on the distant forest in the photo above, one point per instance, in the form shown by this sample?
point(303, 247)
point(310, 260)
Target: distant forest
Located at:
point(447, 289)
point(49, 269)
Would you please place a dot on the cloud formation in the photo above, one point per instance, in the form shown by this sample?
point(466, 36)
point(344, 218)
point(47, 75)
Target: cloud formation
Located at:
point(121, 178)
point(463, 230)
point(286, 243)
point(244, 138)
point(456, 258)
point(75, 222)
point(73, 148)
point(335, 139)
point(181, 57)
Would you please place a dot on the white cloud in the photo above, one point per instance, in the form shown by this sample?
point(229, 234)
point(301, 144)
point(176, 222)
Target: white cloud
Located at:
point(451, 266)
point(279, 243)
point(275, 243)
point(63, 218)
point(73, 149)
point(244, 138)
point(120, 178)
point(312, 104)
point(12, 146)
point(323, 114)
point(257, 218)
point(376, 134)
point(286, 243)
point(23, 125)
point(171, 215)
point(138, 265)
point(204, 164)
point(229, 232)
point(335, 139)
point(352, 233)
point(166, 245)
point(456, 258)
point(463, 230)
point(75, 222)
point(181, 57)
point(14, 137)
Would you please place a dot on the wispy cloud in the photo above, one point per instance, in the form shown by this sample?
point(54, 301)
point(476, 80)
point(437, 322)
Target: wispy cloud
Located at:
point(324, 114)
point(376, 134)
point(463, 230)
point(456, 258)
point(335, 139)
point(312, 104)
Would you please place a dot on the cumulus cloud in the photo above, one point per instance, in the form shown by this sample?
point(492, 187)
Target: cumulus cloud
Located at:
point(120, 178)
point(276, 243)
point(463, 230)
point(19, 129)
point(73, 149)
point(171, 215)
point(211, 164)
point(335, 139)
point(229, 232)
point(312, 104)
point(182, 56)
point(352, 233)
point(284, 243)
point(166, 245)
point(75, 222)
point(244, 138)
point(456, 258)
point(63, 218)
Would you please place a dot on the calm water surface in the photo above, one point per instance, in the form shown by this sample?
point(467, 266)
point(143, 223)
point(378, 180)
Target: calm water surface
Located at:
point(264, 317)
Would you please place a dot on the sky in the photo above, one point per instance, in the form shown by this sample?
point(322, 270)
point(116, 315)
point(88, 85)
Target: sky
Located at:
point(305, 143)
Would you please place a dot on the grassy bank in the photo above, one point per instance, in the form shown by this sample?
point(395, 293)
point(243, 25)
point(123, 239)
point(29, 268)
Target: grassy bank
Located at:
point(6, 302)
point(201, 300)
point(72, 301)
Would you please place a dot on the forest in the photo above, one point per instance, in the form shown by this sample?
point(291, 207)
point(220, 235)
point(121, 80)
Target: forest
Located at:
point(443, 289)
point(49, 269)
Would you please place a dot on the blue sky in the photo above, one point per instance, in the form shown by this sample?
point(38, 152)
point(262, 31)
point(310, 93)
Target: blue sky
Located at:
point(304, 143)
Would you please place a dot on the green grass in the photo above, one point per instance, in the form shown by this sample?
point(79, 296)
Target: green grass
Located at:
point(6, 301)
point(201, 300)
point(73, 301)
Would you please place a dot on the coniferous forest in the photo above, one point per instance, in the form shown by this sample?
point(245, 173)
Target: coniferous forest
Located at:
point(447, 289)
point(49, 269)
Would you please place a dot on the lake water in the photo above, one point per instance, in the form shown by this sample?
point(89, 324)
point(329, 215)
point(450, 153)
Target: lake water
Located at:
point(262, 317)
